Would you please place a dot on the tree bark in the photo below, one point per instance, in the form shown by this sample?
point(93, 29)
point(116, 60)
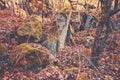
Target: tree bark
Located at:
point(99, 42)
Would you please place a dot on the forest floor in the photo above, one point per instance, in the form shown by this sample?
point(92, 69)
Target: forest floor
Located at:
point(68, 63)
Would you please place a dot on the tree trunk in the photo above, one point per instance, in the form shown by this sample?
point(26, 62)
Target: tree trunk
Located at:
point(104, 22)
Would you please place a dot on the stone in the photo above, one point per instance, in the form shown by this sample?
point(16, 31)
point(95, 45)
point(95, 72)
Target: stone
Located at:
point(29, 54)
point(31, 28)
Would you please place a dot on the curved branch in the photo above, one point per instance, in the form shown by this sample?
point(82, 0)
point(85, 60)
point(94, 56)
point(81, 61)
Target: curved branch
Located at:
point(114, 11)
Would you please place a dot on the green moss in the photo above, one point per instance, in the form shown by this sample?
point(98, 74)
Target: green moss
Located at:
point(64, 11)
point(70, 70)
point(33, 28)
point(31, 51)
point(54, 37)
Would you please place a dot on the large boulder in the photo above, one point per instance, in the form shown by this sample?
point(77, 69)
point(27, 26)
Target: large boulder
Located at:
point(54, 32)
point(88, 22)
point(30, 55)
point(52, 43)
point(53, 47)
point(33, 27)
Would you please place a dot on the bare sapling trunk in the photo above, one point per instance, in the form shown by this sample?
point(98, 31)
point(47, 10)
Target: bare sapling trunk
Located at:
point(104, 21)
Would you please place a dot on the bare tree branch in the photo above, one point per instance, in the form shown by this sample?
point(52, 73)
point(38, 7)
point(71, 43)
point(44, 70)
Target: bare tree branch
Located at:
point(116, 4)
point(2, 2)
point(114, 11)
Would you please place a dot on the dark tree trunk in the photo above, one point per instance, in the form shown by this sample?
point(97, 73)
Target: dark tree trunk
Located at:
point(99, 42)
point(116, 4)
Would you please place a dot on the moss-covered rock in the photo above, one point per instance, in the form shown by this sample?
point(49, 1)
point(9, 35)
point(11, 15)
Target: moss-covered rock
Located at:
point(33, 27)
point(29, 54)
